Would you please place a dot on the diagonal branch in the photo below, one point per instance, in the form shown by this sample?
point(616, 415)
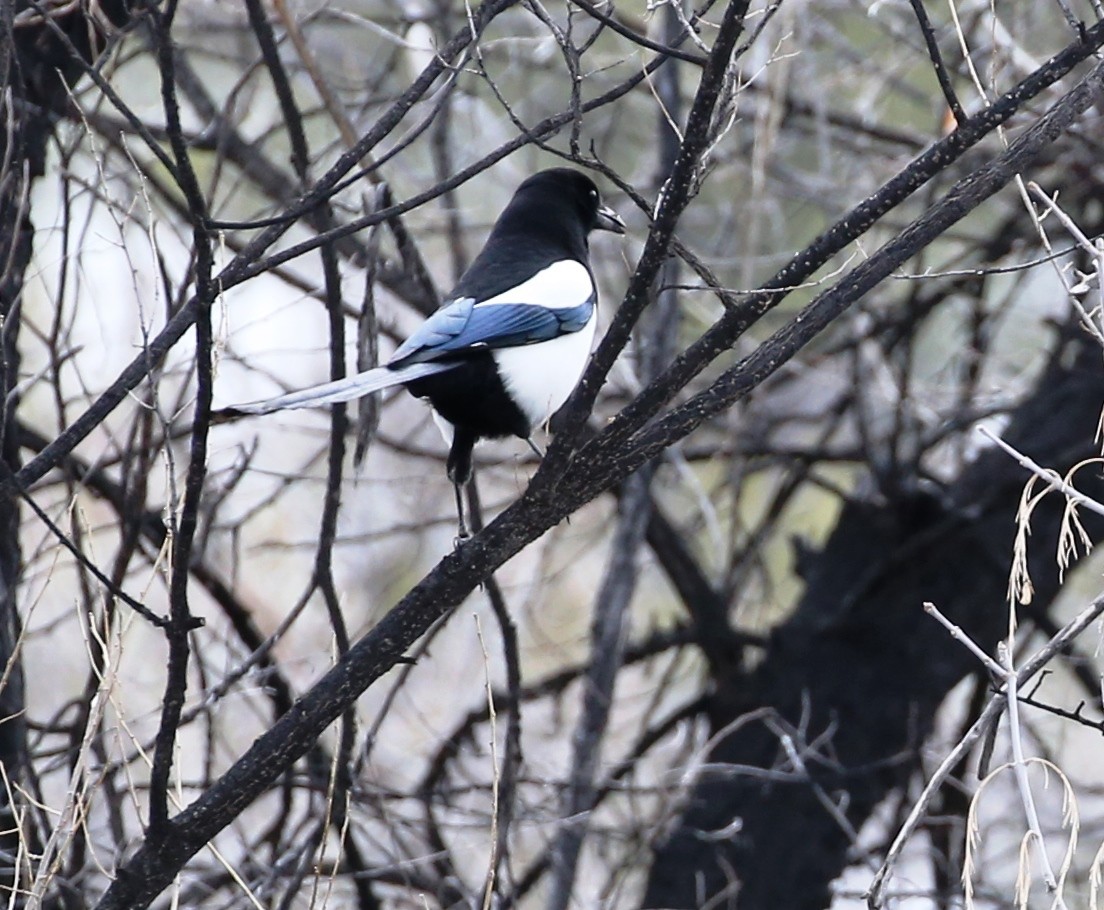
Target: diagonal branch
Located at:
point(549, 498)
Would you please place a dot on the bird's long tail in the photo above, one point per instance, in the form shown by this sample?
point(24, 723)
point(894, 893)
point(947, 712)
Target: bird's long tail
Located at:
point(340, 390)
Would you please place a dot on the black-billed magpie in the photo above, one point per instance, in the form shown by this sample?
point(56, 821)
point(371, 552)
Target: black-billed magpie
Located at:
point(510, 343)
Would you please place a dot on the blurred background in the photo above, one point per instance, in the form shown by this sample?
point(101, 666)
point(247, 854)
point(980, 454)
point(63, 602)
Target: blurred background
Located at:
point(714, 686)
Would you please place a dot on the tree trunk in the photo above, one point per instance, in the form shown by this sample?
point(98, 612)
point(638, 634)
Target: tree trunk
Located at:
point(861, 664)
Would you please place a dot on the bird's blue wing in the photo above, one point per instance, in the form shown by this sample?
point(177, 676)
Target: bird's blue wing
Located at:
point(447, 323)
point(503, 325)
point(463, 325)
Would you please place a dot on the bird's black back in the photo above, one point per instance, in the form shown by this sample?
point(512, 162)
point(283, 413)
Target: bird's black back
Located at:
point(548, 219)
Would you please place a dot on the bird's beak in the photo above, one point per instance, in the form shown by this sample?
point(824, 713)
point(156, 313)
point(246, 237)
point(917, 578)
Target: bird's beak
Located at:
point(609, 220)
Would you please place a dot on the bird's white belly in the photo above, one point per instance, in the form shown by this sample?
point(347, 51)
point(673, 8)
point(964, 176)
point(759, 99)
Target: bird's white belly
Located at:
point(541, 377)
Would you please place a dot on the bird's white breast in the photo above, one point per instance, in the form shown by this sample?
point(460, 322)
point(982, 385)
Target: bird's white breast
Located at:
point(560, 286)
point(540, 377)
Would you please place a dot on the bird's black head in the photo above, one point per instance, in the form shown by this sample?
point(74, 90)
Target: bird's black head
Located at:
point(548, 219)
point(561, 189)
point(552, 212)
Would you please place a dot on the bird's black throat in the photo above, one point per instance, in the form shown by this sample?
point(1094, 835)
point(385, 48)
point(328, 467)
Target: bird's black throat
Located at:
point(473, 399)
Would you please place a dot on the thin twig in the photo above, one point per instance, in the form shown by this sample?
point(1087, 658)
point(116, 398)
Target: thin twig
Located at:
point(1019, 767)
point(181, 621)
point(940, 67)
point(875, 894)
point(492, 864)
point(1049, 477)
point(962, 638)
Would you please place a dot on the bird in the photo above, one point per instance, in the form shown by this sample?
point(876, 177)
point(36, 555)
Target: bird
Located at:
point(510, 342)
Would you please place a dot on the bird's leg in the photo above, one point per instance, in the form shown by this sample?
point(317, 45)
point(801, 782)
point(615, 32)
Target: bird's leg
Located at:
point(464, 532)
point(459, 469)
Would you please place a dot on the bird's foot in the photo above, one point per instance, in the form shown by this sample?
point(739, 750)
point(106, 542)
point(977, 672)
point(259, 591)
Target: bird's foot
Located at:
point(461, 513)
